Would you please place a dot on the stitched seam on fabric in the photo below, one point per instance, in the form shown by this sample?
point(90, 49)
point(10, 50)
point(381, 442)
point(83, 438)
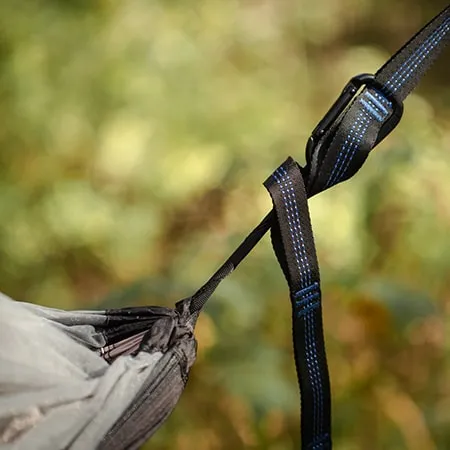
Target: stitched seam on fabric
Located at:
point(403, 73)
point(349, 148)
point(308, 294)
point(352, 137)
point(311, 349)
point(420, 58)
point(357, 137)
point(294, 224)
point(381, 98)
point(282, 182)
point(426, 47)
point(370, 108)
point(319, 441)
point(353, 140)
point(406, 64)
point(356, 147)
point(348, 141)
point(308, 308)
point(311, 288)
point(309, 338)
point(307, 299)
point(381, 111)
point(377, 102)
point(311, 357)
point(296, 235)
point(285, 182)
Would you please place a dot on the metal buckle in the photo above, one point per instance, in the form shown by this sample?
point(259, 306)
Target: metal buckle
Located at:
point(338, 107)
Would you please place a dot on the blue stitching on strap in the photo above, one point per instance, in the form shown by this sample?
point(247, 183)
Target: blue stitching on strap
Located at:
point(371, 109)
point(298, 245)
point(381, 111)
point(283, 180)
point(307, 290)
point(294, 227)
point(306, 299)
point(355, 147)
point(376, 101)
point(382, 99)
point(425, 45)
point(420, 58)
point(298, 236)
point(308, 308)
point(375, 109)
point(349, 147)
point(348, 141)
point(315, 363)
point(403, 73)
point(319, 441)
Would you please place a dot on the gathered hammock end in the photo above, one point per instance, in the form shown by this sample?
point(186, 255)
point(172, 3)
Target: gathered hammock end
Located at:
point(107, 380)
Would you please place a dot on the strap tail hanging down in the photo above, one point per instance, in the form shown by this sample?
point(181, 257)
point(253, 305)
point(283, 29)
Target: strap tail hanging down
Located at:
point(337, 149)
point(293, 243)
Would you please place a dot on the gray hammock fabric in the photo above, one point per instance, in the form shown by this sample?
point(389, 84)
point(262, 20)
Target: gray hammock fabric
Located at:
point(67, 378)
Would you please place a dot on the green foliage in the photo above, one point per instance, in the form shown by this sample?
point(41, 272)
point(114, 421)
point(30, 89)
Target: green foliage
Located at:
point(135, 137)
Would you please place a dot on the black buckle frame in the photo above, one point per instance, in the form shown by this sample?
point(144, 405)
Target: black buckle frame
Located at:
point(347, 95)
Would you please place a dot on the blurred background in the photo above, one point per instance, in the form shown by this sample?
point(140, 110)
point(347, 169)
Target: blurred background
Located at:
point(135, 137)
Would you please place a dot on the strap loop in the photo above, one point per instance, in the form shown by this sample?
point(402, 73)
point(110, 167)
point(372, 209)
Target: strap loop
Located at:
point(293, 243)
point(338, 148)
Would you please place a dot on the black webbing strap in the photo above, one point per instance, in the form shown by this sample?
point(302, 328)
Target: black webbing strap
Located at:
point(336, 150)
point(198, 300)
point(343, 148)
point(344, 144)
point(293, 243)
point(403, 71)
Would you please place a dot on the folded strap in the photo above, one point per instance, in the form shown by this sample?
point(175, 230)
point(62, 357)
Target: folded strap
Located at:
point(293, 243)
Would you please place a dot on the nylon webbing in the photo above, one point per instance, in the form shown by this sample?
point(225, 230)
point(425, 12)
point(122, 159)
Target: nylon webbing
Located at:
point(199, 299)
point(343, 150)
point(403, 71)
point(337, 156)
point(293, 243)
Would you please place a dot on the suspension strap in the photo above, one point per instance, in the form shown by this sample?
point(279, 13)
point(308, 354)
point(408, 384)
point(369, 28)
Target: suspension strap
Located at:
point(293, 243)
point(336, 150)
point(342, 140)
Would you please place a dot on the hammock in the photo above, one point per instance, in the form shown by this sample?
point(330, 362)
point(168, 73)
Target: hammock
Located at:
point(108, 379)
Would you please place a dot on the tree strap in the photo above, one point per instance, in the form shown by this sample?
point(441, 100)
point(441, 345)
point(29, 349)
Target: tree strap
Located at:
point(368, 109)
